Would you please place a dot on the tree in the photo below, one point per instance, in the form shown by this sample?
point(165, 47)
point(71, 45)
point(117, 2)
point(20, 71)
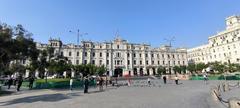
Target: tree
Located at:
point(177, 69)
point(191, 67)
point(217, 66)
point(200, 67)
point(161, 70)
point(183, 69)
point(101, 70)
point(16, 44)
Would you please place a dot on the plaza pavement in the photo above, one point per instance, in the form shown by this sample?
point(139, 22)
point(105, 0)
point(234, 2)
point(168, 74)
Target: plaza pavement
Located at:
point(189, 94)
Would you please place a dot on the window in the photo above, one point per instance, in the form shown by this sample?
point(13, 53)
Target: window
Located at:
point(77, 61)
point(85, 61)
point(140, 55)
point(128, 54)
point(140, 62)
point(152, 55)
point(169, 62)
point(100, 54)
point(173, 56)
point(23, 61)
point(77, 53)
point(107, 62)
point(152, 62)
point(146, 55)
point(117, 46)
point(163, 62)
point(162, 55)
point(93, 54)
point(61, 53)
point(128, 62)
point(70, 54)
point(85, 54)
point(158, 62)
point(168, 56)
point(134, 55)
point(93, 61)
point(100, 62)
point(118, 62)
point(147, 62)
point(118, 54)
point(107, 54)
point(134, 62)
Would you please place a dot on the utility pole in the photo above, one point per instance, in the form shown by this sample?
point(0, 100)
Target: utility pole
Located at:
point(78, 34)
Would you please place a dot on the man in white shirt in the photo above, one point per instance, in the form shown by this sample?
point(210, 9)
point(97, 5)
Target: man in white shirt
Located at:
point(71, 82)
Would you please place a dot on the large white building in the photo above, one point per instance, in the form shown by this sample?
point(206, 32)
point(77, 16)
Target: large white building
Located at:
point(120, 57)
point(222, 47)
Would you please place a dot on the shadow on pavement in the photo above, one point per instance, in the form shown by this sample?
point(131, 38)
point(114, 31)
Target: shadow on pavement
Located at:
point(32, 99)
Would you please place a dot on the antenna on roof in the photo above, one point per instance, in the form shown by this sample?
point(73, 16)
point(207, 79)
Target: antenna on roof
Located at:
point(170, 40)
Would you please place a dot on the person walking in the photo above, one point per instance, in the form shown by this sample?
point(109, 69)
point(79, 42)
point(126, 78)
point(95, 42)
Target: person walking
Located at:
point(71, 83)
point(106, 82)
point(165, 79)
point(100, 84)
point(205, 78)
point(10, 82)
point(86, 83)
point(176, 80)
point(31, 80)
point(19, 82)
point(149, 81)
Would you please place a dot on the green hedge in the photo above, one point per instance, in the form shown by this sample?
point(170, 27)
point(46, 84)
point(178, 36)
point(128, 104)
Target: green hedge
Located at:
point(216, 77)
point(56, 84)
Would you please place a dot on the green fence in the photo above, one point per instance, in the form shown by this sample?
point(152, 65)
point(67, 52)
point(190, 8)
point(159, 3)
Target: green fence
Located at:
point(216, 77)
point(56, 83)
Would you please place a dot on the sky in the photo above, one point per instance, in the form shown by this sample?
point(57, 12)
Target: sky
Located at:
point(190, 22)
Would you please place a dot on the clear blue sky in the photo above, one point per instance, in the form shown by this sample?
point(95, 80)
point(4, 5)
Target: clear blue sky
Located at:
point(138, 21)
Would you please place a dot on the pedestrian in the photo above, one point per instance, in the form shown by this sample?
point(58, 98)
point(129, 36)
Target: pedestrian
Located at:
point(205, 78)
point(100, 84)
point(165, 79)
point(149, 81)
point(10, 81)
point(106, 82)
point(71, 83)
point(176, 79)
point(31, 80)
point(86, 83)
point(19, 82)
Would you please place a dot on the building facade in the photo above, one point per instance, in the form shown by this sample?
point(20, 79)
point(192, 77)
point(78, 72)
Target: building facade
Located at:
point(222, 47)
point(120, 57)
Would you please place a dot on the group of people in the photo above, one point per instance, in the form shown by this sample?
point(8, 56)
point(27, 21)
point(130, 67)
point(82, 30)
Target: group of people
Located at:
point(165, 80)
point(17, 82)
point(97, 81)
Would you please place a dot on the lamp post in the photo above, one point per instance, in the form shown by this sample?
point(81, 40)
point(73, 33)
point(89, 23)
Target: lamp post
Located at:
point(78, 35)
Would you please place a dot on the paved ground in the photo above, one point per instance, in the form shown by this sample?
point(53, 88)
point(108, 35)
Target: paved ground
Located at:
point(189, 94)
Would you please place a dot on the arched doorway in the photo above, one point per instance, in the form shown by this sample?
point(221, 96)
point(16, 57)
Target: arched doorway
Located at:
point(118, 72)
point(135, 71)
point(141, 71)
point(154, 71)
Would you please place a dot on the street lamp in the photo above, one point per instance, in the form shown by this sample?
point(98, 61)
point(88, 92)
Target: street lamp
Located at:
point(78, 35)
